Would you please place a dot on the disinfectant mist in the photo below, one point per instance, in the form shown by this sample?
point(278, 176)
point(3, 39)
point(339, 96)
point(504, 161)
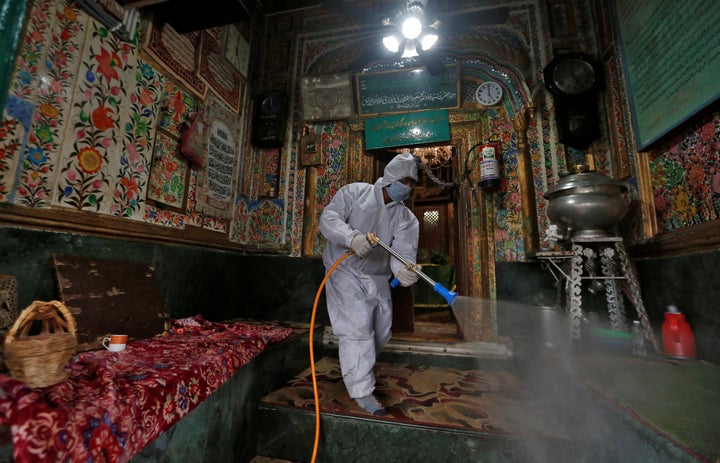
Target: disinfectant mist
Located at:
point(467, 312)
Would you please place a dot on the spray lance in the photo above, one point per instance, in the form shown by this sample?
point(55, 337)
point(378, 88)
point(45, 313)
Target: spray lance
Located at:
point(448, 295)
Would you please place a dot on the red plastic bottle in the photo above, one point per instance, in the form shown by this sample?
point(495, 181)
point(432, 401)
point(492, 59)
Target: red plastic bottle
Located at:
point(678, 338)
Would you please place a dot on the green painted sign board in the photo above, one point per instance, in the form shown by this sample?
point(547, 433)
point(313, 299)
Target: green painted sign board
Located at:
point(407, 129)
point(410, 89)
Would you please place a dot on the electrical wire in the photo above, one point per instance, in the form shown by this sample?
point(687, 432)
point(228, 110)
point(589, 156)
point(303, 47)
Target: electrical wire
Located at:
point(312, 354)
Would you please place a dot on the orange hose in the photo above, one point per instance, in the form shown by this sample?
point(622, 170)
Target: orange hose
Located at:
point(312, 355)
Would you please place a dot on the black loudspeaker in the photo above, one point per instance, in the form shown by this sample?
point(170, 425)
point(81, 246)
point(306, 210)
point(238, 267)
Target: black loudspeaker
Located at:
point(270, 120)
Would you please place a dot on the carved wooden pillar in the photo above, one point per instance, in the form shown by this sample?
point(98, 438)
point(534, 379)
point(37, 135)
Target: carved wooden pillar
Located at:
point(527, 184)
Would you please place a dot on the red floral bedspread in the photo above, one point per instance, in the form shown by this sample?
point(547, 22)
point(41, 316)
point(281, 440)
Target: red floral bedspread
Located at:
point(113, 404)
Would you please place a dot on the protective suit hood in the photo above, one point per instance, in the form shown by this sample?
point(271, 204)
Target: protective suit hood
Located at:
point(403, 165)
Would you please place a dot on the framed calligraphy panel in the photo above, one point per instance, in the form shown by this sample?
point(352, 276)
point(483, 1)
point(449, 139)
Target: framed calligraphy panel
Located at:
point(407, 89)
point(671, 62)
point(216, 182)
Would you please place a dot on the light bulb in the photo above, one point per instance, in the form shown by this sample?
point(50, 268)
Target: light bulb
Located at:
point(411, 28)
point(428, 40)
point(391, 43)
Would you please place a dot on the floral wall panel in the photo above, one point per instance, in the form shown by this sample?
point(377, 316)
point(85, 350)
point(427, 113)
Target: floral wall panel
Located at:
point(168, 174)
point(270, 172)
point(47, 68)
point(508, 214)
point(91, 148)
point(265, 221)
point(239, 227)
point(13, 134)
point(175, 109)
point(139, 116)
point(686, 176)
point(194, 217)
point(168, 218)
point(216, 224)
point(331, 173)
point(80, 124)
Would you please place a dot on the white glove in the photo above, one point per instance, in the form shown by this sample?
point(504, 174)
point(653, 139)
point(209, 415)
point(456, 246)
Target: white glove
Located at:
point(407, 276)
point(360, 245)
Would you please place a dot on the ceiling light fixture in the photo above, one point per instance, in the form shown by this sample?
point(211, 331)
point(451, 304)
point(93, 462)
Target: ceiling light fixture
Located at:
point(413, 36)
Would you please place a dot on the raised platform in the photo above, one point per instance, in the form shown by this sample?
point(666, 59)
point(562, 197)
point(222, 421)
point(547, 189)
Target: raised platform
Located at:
point(439, 341)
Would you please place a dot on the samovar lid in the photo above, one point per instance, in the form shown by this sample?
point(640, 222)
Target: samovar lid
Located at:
point(584, 179)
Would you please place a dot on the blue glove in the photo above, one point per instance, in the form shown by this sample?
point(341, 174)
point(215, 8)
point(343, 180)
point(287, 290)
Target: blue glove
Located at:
point(406, 276)
point(360, 245)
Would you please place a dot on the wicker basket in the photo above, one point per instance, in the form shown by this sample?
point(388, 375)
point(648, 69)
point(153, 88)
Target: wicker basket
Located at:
point(40, 343)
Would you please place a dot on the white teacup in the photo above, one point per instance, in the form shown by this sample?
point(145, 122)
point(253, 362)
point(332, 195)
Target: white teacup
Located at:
point(115, 342)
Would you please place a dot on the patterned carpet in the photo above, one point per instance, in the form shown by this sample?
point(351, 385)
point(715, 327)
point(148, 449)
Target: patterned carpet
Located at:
point(487, 401)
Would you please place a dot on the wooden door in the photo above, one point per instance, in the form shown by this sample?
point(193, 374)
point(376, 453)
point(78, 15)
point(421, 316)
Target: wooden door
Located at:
point(433, 219)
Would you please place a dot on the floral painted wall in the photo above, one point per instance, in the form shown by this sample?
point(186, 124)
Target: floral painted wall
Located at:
point(91, 125)
point(685, 175)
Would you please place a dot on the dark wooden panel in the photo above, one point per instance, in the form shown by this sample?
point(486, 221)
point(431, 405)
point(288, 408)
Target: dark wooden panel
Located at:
point(110, 296)
point(402, 301)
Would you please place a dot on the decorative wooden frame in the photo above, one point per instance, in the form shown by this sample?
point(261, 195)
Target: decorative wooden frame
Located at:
point(647, 199)
point(326, 97)
point(236, 49)
point(310, 149)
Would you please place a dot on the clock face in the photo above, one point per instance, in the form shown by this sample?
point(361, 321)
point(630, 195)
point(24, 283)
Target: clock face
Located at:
point(270, 105)
point(489, 93)
point(573, 76)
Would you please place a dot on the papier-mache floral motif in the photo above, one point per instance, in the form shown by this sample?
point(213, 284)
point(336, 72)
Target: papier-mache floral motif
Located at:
point(167, 184)
point(87, 154)
point(10, 134)
point(142, 116)
point(47, 66)
point(686, 178)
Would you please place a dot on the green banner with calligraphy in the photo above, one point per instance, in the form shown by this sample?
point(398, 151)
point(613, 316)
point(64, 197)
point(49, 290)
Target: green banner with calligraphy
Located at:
point(407, 129)
point(407, 89)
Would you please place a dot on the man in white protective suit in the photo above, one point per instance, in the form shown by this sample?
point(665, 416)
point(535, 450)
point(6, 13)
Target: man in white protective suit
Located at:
point(358, 291)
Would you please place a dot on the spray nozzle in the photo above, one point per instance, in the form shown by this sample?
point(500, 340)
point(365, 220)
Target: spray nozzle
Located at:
point(446, 293)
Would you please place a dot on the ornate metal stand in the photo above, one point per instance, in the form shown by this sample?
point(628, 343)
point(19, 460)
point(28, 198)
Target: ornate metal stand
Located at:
point(581, 263)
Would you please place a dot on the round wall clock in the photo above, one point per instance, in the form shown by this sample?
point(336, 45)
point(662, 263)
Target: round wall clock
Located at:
point(574, 80)
point(270, 104)
point(489, 93)
point(269, 121)
point(572, 74)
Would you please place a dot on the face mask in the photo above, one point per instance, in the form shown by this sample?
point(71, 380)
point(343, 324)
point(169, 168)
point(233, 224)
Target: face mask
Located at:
point(398, 191)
